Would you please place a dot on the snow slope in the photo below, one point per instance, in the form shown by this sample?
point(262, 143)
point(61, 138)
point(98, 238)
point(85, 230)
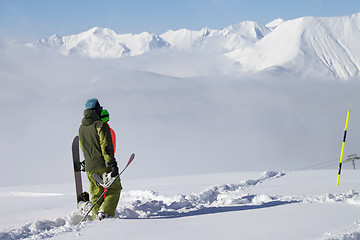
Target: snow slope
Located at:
point(307, 46)
point(247, 205)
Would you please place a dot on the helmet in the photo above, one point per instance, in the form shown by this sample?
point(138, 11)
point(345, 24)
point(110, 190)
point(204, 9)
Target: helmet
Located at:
point(105, 116)
point(93, 104)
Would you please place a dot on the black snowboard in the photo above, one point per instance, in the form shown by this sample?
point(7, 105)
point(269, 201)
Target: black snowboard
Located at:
point(78, 167)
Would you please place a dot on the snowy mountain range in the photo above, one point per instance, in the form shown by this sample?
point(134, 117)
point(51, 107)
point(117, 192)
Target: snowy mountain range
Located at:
point(307, 45)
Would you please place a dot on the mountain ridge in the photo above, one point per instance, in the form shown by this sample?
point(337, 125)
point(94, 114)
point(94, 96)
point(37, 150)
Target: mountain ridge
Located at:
point(306, 45)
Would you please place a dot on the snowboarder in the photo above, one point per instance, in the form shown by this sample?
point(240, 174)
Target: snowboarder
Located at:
point(97, 146)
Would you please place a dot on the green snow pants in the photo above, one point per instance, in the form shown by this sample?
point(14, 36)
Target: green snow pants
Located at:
point(109, 203)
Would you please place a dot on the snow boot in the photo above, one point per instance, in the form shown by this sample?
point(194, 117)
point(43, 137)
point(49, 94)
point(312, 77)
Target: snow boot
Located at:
point(101, 215)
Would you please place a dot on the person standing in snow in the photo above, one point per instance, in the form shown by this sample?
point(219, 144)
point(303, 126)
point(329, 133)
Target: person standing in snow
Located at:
point(98, 148)
point(105, 117)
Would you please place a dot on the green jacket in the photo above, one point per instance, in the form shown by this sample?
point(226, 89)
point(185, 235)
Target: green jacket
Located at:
point(96, 142)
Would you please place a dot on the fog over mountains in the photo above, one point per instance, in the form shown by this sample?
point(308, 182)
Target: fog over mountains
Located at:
point(308, 46)
point(244, 98)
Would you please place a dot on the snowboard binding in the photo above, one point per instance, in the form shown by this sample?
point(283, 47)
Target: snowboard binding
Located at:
point(84, 196)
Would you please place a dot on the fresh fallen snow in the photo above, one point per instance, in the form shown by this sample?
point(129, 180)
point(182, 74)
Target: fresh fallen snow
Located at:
point(244, 205)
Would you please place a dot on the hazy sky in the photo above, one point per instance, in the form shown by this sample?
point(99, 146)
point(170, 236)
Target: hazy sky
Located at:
point(176, 126)
point(31, 20)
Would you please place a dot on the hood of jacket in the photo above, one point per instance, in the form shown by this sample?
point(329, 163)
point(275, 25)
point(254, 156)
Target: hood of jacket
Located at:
point(90, 116)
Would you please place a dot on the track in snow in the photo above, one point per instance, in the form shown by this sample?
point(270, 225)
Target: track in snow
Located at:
point(216, 199)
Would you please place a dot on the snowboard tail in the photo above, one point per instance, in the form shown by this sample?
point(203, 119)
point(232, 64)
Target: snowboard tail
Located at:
point(78, 168)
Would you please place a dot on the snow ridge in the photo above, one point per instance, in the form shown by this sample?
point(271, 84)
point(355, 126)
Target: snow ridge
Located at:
point(103, 43)
point(149, 204)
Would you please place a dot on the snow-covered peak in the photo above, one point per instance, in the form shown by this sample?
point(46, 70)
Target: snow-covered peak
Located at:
point(247, 29)
point(307, 45)
point(234, 36)
point(100, 32)
point(185, 39)
point(104, 43)
point(53, 41)
point(243, 35)
point(275, 23)
point(206, 31)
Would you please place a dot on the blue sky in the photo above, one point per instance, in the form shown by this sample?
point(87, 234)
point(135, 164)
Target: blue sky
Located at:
point(33, 19)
